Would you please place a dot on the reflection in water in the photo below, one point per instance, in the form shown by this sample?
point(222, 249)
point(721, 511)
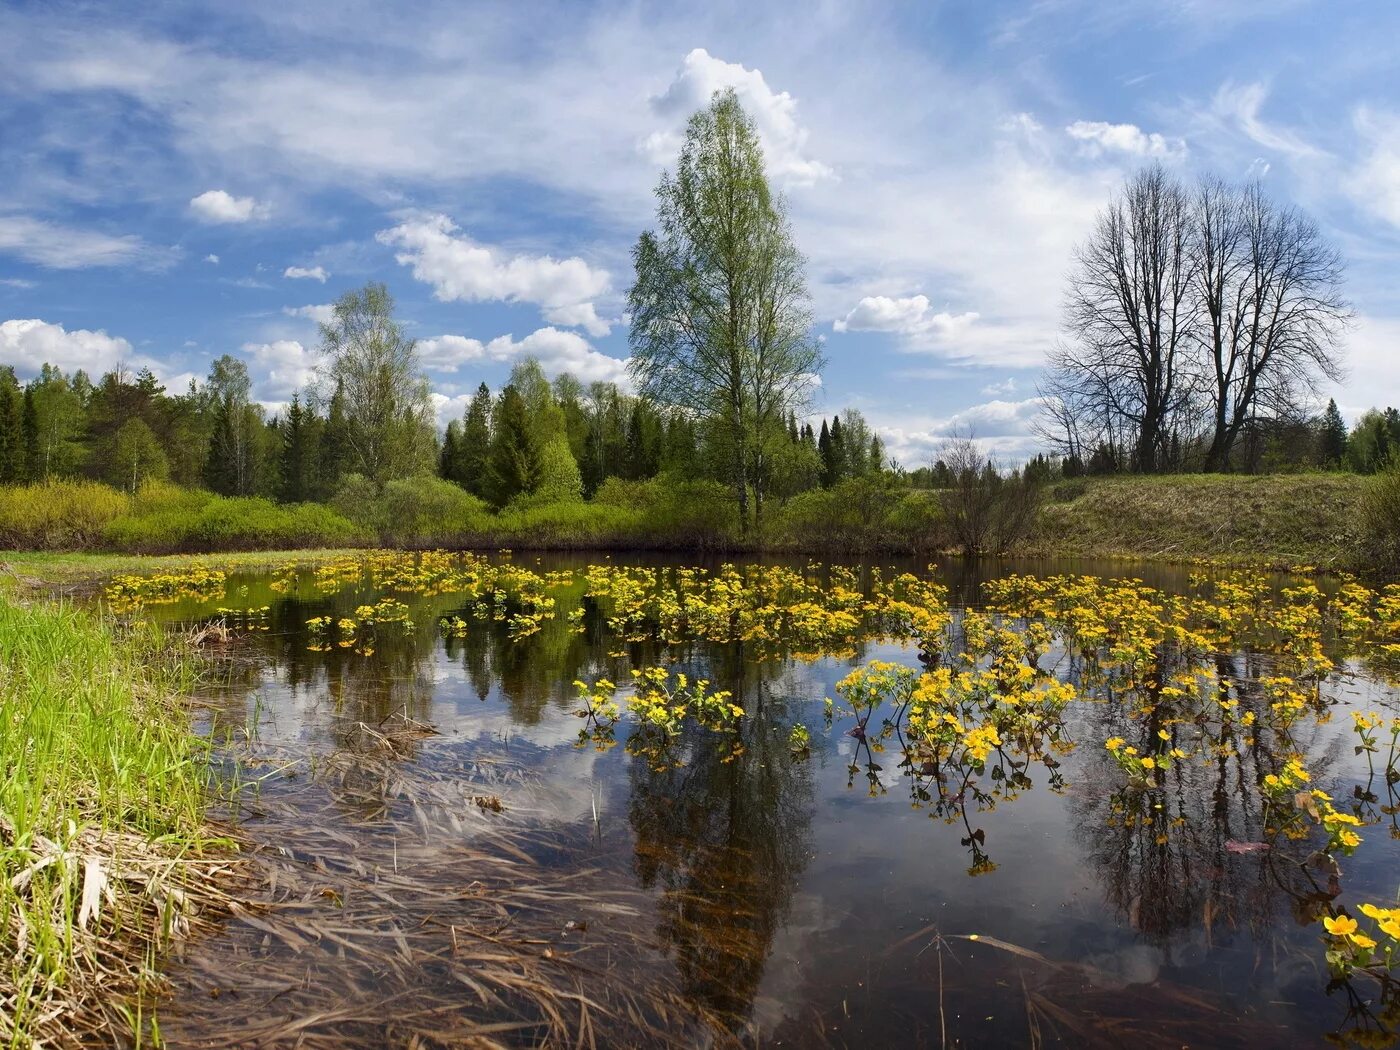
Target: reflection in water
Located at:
point(723, 837)
point(1156, 896)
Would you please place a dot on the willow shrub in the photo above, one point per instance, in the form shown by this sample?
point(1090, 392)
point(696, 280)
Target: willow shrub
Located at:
point(861, 514)
point(57, 515)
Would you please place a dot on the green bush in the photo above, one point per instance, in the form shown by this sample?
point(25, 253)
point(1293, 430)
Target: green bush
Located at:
point(675, 512)
point(570, 525)
point(1380, 518)
point(853, 515)
point(419, 511)
point(57, 515)
point(230, 524)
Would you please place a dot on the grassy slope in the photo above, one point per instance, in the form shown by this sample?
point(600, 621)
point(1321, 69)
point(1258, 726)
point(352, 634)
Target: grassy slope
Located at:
point(1284, 519)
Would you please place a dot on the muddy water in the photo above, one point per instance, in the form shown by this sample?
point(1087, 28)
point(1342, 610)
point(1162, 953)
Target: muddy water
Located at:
point(446, 863)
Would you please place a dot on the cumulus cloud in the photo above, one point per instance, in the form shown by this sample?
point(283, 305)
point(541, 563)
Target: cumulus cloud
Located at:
point(69, 248)
point(321, 313)
point(1097, 138)
point(306, 273)
point(773, 112)
point(911, 316)
point(220, 206)
point(459, 268)
point(279, 369)
point(212, 258)
point(557, 351)
point(27, 344)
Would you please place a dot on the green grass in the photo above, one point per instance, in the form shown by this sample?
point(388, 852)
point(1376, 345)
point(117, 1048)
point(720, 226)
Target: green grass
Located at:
point(102, 804)
point(1280, 519)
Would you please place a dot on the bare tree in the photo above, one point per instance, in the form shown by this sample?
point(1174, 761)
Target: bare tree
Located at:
point(1191, 318)
point(1272, 310)
point(1129, 315)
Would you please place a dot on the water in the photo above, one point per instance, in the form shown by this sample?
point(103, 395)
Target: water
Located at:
point(430, 885)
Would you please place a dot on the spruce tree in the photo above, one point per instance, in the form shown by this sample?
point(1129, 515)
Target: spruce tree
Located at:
point(296, 461)
point(29, 437)
point(1332, 436)
point(11, 430)
point(475, 447)
point(824, 452)
point(514, 461)
point(334, 439)
point(450, 455)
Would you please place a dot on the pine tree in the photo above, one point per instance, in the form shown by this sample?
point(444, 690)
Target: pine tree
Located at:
point(29, 437)
point(824, 452)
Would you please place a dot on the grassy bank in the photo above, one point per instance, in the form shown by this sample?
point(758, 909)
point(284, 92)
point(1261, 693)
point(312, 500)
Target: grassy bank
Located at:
point(1283, 519)
point(102, 836)
point(1291, 519)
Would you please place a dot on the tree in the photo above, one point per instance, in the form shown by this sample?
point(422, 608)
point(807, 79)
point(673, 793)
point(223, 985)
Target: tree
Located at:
point(514, 460)
point(720, 324)
point(475, 444)
point(388, 418)
point(298, 454)
point(1332, 436)
point(11, 428)
point(136, 456)
point(1124, 371)
point(59, 412)
point(29, 437)
point(232, 461)
point(1271, 309)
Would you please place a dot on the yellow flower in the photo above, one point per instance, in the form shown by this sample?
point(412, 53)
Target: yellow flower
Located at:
point(1149, 762)
point(1341, 926)
point(1113, 743)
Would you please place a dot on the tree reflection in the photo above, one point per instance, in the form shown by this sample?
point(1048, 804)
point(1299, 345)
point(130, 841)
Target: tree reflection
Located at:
point(724, 837)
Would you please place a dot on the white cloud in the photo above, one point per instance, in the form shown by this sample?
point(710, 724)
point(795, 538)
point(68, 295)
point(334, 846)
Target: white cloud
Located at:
point(579, 315)
point(27, 344)
point(219, 206)
point(774, 114)
point(1238, 106)
point(279, 368)
point(910, 316)
point(557, 351)
point(458, 268)
point(306, 273)
point(1002, 429)
point(321, 313)
point(1375, 183)
point(18, 282)
point(1097, 138)
point(212, 258)
point(69, 248)
point(1006, 386)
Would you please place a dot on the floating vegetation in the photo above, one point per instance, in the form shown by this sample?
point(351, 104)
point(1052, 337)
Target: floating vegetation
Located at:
point(1188, 728)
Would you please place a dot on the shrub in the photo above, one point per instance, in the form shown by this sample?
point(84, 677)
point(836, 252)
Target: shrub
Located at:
point(57, 515)
point(230, 524)
point(1380, 518)
point(568, 525)
point(429, 511)
point(675, 512)
point(853, 515)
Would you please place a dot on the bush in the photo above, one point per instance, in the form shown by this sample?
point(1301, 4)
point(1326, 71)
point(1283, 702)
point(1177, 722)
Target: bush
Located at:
point(1380, 518)
point(675, 512)
point(230, 524)
point(565, 525)
point(57, 515)
point(853, 515)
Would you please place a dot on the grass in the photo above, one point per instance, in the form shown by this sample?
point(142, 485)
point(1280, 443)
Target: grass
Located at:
point(1273, 520)
point(103, 841)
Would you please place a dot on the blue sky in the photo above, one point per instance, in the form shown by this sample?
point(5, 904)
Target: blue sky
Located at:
point(182, 181)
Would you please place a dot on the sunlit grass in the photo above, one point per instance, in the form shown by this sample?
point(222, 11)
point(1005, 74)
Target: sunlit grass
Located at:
point(101, 802)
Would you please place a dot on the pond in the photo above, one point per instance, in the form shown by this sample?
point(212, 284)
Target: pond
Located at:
point(1070, 812)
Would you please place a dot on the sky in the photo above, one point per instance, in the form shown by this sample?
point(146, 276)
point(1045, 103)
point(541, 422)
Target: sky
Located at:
point(182, 181)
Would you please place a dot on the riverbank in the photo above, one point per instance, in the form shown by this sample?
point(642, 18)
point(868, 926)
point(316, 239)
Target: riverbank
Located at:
point(104, 844)
point(1270, 521)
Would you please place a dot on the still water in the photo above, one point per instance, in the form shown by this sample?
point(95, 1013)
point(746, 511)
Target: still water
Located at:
point(445, 859)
